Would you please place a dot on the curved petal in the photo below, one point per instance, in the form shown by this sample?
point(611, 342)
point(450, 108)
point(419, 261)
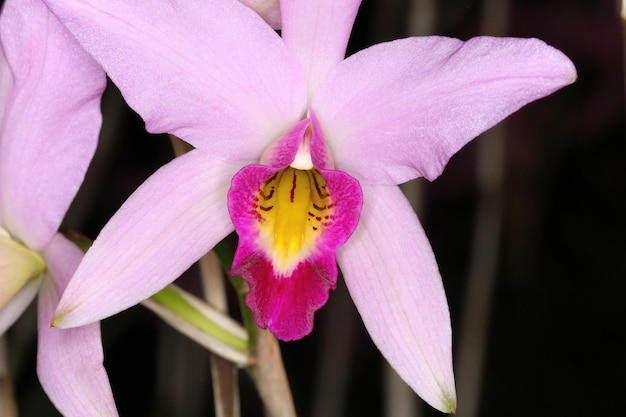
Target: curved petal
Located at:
point(210, 72)
point(393, 278)
point(52, 120)
point(401, 109)
point(70, 362)
point(166, 225)
point(317, 32)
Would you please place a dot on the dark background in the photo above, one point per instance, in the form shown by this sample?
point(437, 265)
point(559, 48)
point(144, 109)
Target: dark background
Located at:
point(555, 340)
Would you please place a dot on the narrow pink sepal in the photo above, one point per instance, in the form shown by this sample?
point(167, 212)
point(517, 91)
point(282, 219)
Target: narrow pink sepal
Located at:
point(166, 225)
point(399, 110)
point(286, 305)
point(211, 72)
point(51, 120)
point(393, 278)
point(318, 32)
point(70, 362)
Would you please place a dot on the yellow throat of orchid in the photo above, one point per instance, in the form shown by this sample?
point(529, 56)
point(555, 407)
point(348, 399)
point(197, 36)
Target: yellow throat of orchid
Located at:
point(293, 207)
point(18, 265)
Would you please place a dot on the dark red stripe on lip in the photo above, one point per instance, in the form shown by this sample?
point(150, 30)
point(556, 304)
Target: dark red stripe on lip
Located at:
point(320, 190)
point(267, 197)
point(272, 178)
point(293, 186)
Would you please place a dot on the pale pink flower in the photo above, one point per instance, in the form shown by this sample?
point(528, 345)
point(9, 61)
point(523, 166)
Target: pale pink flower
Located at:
point(216, 75)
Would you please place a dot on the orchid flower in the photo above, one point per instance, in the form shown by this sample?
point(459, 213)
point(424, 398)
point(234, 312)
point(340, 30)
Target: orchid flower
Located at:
point(50, 93)
point(314, 146)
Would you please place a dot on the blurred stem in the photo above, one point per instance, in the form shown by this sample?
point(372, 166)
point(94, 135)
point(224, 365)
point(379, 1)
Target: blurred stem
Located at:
point(223, 372)
point(422, 17)
point(270, 377)
point(476, 312)
point(338, 322)
point(485, 249)
point(8, 406)
point(623, 14)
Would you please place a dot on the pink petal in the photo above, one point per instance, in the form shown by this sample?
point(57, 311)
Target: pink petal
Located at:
point(166, 225)
point(70, 362)
point(318, 32)
point(393, 278)
point(51, 120)
point(285, 302)
point(401, 109)
point(212, 72)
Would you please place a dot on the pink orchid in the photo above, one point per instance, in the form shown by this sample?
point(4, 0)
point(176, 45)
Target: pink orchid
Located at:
point(310, 129)
point(50, 93)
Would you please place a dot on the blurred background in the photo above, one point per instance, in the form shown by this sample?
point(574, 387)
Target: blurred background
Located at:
point(527, 223)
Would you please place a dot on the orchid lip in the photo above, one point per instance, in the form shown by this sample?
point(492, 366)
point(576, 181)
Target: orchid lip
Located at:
point(291, 217)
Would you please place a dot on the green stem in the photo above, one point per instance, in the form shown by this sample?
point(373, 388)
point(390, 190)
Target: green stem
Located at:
point(173, 301)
